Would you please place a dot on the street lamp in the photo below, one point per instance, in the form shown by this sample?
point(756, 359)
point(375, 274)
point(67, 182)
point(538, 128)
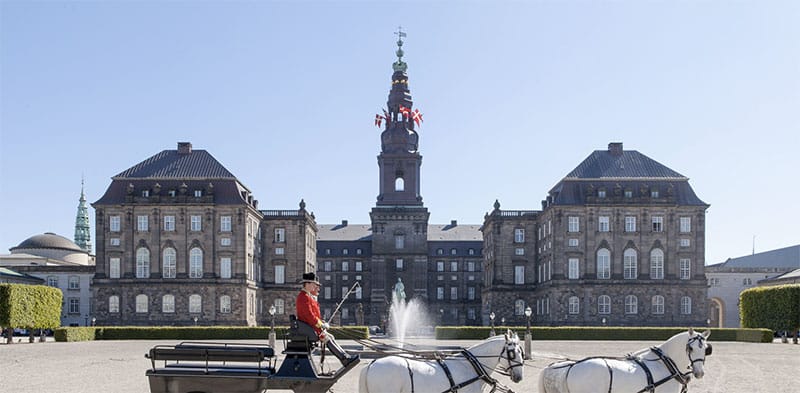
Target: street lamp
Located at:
point(528, 313)
point(94, 321)
point(503, 321)
point(272, 326)
point(604, 321)
point(528, 336)
point(491, 319)
point(195, 321)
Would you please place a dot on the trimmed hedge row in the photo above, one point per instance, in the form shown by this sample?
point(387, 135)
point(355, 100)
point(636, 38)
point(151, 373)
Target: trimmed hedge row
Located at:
point(188, 333)
point(776, 308)
point(601, 333)
point(30, 306)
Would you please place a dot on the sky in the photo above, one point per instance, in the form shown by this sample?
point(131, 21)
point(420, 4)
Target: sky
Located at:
point(514, 95)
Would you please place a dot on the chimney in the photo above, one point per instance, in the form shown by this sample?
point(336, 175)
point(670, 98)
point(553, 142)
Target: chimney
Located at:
point(615, 148)
point(344, 223)
point(184, 148)
point(453, 223)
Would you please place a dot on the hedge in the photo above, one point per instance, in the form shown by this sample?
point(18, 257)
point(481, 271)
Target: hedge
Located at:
point(30, 306)
point(776, 308)
point(189, 333)
point(601, 333)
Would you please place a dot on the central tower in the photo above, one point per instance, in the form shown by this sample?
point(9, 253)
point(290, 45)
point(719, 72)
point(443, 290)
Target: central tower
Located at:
point(399, 219)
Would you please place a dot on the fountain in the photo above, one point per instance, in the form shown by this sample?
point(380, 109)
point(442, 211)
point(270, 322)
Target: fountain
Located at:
point(406, 317)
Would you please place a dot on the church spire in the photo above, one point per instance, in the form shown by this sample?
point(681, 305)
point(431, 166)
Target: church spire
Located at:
point(83, 237)
point(399, 135)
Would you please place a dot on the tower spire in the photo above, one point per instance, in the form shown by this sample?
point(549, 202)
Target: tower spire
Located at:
point(399, 135)
point(83, 237)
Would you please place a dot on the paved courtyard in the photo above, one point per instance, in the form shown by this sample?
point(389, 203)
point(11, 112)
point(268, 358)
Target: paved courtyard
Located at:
point(119, 366)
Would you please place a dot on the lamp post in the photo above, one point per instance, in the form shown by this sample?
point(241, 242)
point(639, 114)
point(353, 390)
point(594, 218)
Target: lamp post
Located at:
point(94, 321)
point(604, 321)
point(272, 326)
point(528, 335)
point(195, 321)
point(491, 319)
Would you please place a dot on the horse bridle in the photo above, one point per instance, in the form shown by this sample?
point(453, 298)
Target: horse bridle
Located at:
point(689, 349)
point(509, 349)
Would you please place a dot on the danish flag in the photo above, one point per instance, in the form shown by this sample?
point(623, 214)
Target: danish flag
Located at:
point(378, 120)
point(404, 110)
point(417, 116)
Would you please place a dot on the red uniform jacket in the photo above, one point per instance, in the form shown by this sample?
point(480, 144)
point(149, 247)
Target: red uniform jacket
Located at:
point(308, 311)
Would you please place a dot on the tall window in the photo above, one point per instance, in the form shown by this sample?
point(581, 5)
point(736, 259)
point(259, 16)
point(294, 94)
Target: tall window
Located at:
point(399, 241)
point(574, 269)
point(631, 305)
point(686, 224)
point(686, 268)
point(74, 282)
point(142, 263)
point(519, 274)
point(519, 307)
point(280, 274)
point(195, 304)
point(196, 224)
point(440, 293)
point(279, 306)
point(225, 223)
point(113, 224)
point(141, 303)
point(358, 266)
point(169, 223)
point(399, 184)
point(358, 292)
point(658, 223)
point(470, 266)
point(280, 235)
point(686, 305)
point(519, 235)
point(604, 304)
point(52, 281)
point(439, 266)
point(196, 263)
point(345, 266)
point(327, 292)
point(603, 224)
point(453, 266)
point(470, 293)
point(141, 223)
point(630, 223)
point(603, 263)
point(225, 304)
point(658, 304)
point(113, 267)
point(113, 304)
point(225, 267)
point(168, 304)
point(574, 224)
point(630, 265)
point(170, 263)
point(574, 305)
point(327, 265)
point(453, 293)
point(398, 264)
point(657, 264)
point(74, 305)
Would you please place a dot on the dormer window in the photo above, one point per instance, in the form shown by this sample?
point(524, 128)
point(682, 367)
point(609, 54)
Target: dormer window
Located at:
point(146, 193)
point(601, 193)
point(172, 193)
point(198, 193)
point(628, 193)
point(654, 194)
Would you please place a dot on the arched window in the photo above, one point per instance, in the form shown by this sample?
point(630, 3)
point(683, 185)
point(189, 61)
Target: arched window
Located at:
point(631, 305)
point(603, 263)
point(604, 304)
point(399, 184)
point(686, 305)
point(519, 307)
point(168, 304)
point(629, 264)
point(141, 303)
point(113, 304)
point(657, 264)
point(574, 305)
point(196, 263)
point(142, 263)
point(170, 256)
point(658, 304)
point(195, 304)
point(225, 304)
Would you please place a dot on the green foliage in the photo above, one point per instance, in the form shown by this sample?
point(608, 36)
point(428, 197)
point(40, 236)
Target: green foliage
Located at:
point(30, 306)
point(69, 334)
point(776, 308)
point(188, 333)
point(601, 333)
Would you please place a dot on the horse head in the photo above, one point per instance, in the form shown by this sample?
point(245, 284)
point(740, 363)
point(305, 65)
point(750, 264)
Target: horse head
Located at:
point(697, 349)
point(512, 356)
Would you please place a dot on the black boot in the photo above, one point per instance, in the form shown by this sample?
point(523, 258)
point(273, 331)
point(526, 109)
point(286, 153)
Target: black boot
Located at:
point(340, 353)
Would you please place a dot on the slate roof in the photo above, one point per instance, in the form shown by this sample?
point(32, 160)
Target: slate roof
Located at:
point(169, 164)
point(353, 232)
point(16, 276)
point(602, 164)
point(782, 258)
point(48, 240)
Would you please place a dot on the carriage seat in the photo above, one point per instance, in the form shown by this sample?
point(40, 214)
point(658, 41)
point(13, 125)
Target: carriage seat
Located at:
point(302, 337)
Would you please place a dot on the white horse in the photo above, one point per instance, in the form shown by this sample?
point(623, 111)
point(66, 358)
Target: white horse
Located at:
point(468, 371)
point(657, 369)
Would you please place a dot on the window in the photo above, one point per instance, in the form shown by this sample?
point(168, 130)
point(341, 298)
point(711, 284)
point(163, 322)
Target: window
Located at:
point(198, 193)
point(113, 269)
point(471, 251)
point(170, 263)
point(327, 251)
point(358, 251)
point(168, 304)
point(470, 313)
point(574, 224)
point(74, 282)
point(603, 263)
point(439, 266)
point(399, 264)
point(195, 304)
point(145, 193)
point(470, 266)
point(453, 266)
point(630, 264)
point(345, 266)
point(630, 223)
point(657, 264)
point(196, 224)
point(113, 223)
point(280, 274)
point(686, 305)
point(358, 266)
point(519, 307)
point(141, 303)
point(280, 251)
point(195, 263)
point(746, 281)
point(519, 251)
point(519, 235)
point(142, 263)
point(113, 304)
point(658, 224)
point(519, 274)
point(225, 223)
point(440, 293)
point(328, 265)
point(453, 293)
point(225, 241)
point(399, 184)
point(399, 241)
point(601, 193)
point(574, 305)
point(172, 193)
point(454, 277)
point(686, 268)
point(344, 291)
point(686, 224)
point(654, 194)
point(573, 268)
point(470, 293)
point(631, 305)
point(279, 307)
point(141, 223)
point(114, 241)
point(604, 304)
point(52, 281)
point(358, 292)
point(280, 235)
point(685, 242)
point(439, 251)
point(573, 242)
point(327, 292)
point(603, 224)
point(345, 313)
point(345, 251)
point(169, 223)
point(225, 267)
point(658, 304)
point(74, 305)
point(628, 193)
point(714, 282)
point(225, 304)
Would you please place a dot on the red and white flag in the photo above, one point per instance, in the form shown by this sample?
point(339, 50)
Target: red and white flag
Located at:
point(378, 120)
point(404, 110)
point(417, 116)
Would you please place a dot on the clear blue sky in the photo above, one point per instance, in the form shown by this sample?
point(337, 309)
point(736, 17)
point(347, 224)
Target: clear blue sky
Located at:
point(515, 95)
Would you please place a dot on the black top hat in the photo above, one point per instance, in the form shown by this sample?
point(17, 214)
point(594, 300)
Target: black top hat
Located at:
point(309, 277)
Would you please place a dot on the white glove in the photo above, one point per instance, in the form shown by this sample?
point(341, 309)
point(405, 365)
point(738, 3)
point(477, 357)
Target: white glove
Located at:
point(325, 326)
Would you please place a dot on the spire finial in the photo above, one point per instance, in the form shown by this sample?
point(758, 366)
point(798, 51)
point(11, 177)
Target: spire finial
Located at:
point(399, 65)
